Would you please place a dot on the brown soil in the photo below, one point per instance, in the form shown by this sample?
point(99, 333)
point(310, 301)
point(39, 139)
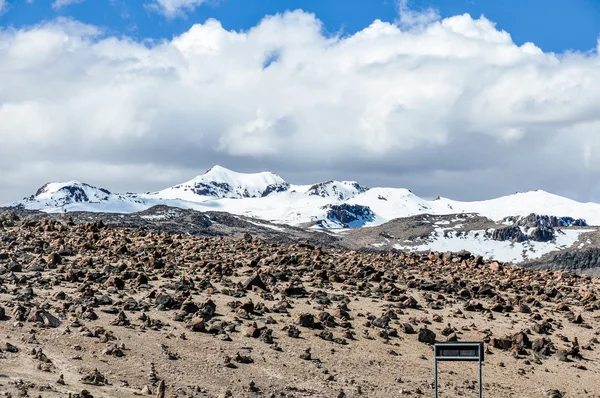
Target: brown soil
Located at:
point(149, 291)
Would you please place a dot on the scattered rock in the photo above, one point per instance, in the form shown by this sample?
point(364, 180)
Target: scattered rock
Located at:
point(426, 336)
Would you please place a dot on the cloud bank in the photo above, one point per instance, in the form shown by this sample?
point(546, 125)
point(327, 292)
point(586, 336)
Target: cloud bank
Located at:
point(450, 107)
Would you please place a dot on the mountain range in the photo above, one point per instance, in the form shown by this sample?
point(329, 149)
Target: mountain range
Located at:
point(518, 228)
point(329, 204)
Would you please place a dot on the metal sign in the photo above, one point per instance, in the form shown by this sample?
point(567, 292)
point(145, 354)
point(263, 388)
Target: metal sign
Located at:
point(458, 351)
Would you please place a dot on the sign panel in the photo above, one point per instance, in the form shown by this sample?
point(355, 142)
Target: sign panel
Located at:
point(459, 351)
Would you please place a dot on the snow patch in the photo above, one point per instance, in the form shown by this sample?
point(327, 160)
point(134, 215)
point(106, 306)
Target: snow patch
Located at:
point(280, 229)
point(476, 242)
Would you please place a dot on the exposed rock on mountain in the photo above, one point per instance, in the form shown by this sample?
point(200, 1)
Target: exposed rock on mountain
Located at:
point(543, 234)
point(349, 216)
point(536, 220)
point(512, 233)
point(534, 227)
point(520, 234)
point(279, 187)
point(340, 190)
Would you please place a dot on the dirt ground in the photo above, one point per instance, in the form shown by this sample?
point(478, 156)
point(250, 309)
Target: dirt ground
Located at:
point(364, 367)
point(351, 353)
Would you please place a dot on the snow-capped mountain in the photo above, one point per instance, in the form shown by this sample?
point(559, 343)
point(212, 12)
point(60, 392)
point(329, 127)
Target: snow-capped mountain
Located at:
point(523, 204)
point(220, 183)
point(70, 192)
point(75, 195)
point(328, 204)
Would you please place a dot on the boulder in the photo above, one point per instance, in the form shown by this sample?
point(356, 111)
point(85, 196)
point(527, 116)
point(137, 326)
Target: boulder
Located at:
point(408, 329)
point(307, 320)
point(254, 281)
point(426, 336)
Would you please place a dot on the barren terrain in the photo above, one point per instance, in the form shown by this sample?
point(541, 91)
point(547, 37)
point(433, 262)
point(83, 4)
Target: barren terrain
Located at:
point(121, 312)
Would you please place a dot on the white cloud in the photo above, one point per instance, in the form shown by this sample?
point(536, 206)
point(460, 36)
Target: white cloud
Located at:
point(63, 3)
point(3, 6)
point(175, 8)
point(449, 107)
point(410, 18)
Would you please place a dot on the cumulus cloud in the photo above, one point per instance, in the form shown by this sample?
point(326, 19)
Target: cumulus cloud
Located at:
point(410, 18)
point(451, 107)
point(63, 3)
point(175, 8)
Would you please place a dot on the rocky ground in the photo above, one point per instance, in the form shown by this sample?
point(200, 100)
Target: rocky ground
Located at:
point(583, 257)
point(191, 222)
point(92, 311)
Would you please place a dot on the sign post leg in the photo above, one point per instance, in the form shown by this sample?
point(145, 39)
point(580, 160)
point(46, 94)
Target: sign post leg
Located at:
point(480, 379)
point(435, 376)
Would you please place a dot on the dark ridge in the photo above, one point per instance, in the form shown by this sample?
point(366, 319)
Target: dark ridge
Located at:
point(275, 188)
point(346, 214)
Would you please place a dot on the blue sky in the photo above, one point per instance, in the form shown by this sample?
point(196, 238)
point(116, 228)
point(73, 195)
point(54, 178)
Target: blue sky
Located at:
point(436, 98)
point(553, 25)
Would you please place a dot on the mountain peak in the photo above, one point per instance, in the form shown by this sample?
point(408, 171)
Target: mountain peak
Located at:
point(219, 182)
point(216, 169)
point(51, 189)
point(222, 174)
point(58, 194)
point(342, 190)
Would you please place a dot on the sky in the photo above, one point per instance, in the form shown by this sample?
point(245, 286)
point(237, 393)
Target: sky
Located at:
point(467, 99)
